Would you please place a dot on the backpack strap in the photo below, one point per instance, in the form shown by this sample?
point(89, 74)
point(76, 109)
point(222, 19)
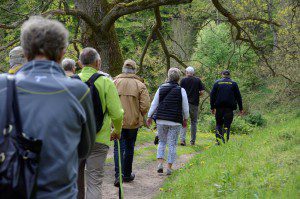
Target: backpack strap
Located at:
point(13, 105)
point(93, 78)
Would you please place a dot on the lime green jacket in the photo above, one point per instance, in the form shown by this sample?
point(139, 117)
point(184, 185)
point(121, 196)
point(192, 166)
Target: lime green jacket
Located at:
point(111, 104)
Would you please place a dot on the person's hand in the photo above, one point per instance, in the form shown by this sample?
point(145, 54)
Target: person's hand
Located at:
point(114, 136)
point(213, 111)
point(149, 122)
point(201, 93)
point(184, 123)
point(242, 112)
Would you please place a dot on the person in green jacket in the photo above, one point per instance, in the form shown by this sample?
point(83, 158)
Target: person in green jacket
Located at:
point(113, 112)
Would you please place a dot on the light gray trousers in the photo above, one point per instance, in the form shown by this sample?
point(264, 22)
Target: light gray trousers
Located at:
point(94, 171)
point(194, 120)
point(167, 135)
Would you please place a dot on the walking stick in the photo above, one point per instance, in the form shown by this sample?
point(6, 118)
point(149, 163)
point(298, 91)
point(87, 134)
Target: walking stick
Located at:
point(121, 193)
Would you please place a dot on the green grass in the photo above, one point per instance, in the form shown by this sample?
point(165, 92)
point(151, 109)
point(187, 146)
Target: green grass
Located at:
point(264, 164)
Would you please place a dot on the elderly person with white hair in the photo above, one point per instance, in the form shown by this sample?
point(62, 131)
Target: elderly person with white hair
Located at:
point(69, 66)
point(194, 89)
point(16, 59)
point(54, 109)
point(170, 104)
point(135, 102)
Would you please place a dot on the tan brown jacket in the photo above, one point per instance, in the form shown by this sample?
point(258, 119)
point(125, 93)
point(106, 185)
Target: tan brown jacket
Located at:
point(134, 98)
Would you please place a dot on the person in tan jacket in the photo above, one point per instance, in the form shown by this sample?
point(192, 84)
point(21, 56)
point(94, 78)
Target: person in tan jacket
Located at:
point(135, 102)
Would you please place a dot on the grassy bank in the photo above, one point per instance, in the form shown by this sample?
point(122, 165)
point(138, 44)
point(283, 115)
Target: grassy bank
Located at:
point(264, 164)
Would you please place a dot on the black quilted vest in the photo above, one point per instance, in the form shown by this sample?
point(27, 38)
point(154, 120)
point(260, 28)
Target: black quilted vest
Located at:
point(170, 103)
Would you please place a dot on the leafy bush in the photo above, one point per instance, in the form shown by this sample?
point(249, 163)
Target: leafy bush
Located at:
point(241, 126)
point(238, 126)
point(255, 119)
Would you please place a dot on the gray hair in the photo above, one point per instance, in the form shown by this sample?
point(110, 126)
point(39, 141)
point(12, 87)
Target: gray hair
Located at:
point(174, 75)
point(128, 70)
point(89, 56)
point(16, 57)
point(68, 64)
point(41, 36)
point(190, 70)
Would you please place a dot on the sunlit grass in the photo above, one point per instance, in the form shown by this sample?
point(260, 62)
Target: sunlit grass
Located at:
point(264, 164)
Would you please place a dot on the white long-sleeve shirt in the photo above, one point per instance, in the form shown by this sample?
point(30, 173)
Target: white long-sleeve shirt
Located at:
point(185, 108)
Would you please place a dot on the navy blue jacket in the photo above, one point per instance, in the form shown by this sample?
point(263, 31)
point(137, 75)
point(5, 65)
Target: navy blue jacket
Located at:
point(225, 94)
point(170, 103)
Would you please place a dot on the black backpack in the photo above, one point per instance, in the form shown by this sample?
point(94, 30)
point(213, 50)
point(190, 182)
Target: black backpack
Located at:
point(98, 111)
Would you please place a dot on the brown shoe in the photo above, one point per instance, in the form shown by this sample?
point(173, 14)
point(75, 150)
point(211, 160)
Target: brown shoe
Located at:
point(182, 143)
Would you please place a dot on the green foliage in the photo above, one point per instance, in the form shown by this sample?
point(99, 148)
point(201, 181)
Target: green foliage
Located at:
point(239, 126)
point(255, 119)
point(215, 52)
point(263, 165)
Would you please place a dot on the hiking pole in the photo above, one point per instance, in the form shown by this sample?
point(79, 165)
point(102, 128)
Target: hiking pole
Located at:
point(121, 193)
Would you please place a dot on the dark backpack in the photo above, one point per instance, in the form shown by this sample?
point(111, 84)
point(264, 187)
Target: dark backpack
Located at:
point(98, 111)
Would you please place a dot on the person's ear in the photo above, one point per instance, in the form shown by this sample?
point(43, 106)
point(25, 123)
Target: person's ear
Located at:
point(99, 64)
point(61, 55)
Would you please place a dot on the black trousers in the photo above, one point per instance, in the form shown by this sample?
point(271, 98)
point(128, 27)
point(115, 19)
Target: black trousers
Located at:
point(224, 117)
point(127, 142)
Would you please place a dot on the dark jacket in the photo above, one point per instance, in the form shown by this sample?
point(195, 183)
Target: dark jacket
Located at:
point(59, 111)
point(170, 103)
point(225, 94)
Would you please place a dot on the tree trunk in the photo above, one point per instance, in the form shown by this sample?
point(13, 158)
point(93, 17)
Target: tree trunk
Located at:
point(107, 43)
point(184, 38)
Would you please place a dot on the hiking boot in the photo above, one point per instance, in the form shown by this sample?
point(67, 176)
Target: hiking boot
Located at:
point(182, 143)
point(156, 140)
point(117, 182)
point(169, 171)
point(160, 168)
point(129, 179)
point(192, 143)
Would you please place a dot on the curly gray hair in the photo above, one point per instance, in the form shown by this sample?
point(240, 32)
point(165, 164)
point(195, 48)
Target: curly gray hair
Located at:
point(41, 36)
point(68, 64)
point(174, 75)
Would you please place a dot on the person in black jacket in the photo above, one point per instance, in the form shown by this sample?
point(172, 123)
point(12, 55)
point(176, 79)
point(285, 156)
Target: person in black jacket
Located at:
point(224, 98)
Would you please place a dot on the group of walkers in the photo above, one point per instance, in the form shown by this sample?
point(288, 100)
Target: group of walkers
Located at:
point(77, 115)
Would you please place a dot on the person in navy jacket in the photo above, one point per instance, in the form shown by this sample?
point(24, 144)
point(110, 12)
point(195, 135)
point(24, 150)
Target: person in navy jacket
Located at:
point(224, 98)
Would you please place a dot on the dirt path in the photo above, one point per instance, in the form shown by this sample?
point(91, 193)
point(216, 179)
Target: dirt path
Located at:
point(146, 184)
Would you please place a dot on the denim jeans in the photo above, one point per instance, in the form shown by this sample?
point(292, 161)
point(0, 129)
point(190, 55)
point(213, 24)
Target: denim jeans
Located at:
point(224, 117)
point(127, 142)
point(194, 120)
point(167, 135)
point(94, 172)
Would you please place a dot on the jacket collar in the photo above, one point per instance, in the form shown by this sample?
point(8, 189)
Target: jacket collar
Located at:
point(226, 78)
point(133, 76)
point(88, 69)
point(173, 82)
point(45, 67)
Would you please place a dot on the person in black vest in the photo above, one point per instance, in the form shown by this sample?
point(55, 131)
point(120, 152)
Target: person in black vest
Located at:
point(171, 109)
point(224, 98)
point(194, 89)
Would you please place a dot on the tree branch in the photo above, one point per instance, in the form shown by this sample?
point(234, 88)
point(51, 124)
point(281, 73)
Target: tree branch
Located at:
point(122, 9)
point(9, 44)
point(76, 13)
point(148, 41)
point(259, 19)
